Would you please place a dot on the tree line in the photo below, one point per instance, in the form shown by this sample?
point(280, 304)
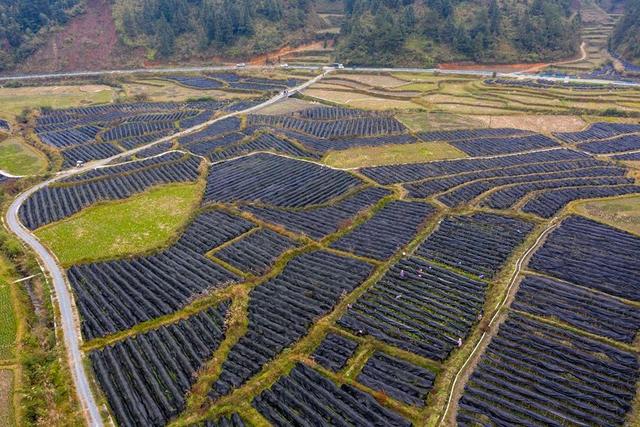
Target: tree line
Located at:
point(160, 24)
point(425, 31)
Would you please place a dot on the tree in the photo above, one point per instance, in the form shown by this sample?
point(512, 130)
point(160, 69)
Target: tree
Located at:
point(166, 37)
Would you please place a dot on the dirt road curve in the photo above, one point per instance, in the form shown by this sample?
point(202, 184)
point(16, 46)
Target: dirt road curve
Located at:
point(69, 320)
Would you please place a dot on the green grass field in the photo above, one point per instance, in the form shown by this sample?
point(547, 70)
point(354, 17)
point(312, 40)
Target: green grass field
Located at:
point(18, 158)
point(8, 324)
point(116, 229)
point(392, 154)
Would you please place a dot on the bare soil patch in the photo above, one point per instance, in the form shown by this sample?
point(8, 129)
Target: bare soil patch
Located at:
point(88, 42)
point(384, 81)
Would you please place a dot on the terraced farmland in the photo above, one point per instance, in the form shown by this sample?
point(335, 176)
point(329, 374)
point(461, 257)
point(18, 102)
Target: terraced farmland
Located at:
point(303, 294)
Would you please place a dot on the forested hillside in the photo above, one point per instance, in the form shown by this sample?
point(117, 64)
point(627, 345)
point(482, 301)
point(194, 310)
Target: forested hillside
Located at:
point(383, 32)
point(423, 31)
point(24, 25)
point(625, 40)
point(224, 27)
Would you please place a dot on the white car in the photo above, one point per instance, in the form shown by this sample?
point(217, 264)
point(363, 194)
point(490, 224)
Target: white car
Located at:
point(284, 65)
point(241, 65)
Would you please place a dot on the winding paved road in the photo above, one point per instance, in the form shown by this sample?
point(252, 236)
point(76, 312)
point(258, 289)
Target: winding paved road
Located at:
point(70, 321)
point(518, 75)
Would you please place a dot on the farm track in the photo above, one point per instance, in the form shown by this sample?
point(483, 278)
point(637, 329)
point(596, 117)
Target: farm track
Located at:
point(70, 323)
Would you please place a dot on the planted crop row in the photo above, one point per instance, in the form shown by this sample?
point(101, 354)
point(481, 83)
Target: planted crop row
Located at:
point(233, 420)
point(277, 181)
point(155, 150)
point(324, 145)
point(231, 124)
point(593, 255)
point(265, 142)
point(592, 312)
point(397, 174)
point(479, 244)
point(504, 145)
point(89, 152)
point(333, 113)
point(256, 252)
point(304, 397)
point(603, 175)
point(256, 86)
point(282, 310)
point(334, 352)
point(506, 198)
point(419, 307)
point(207, 147)
point(361, 126)
point(390, 229)
point(70, 137)
point(598, 131)
point(548, 203)
point(137, 141)
point(146, 378)
point(197, 82)
point(540, 375)
point(433, 186)
point(627, 156)
point(76, 130)
point(111, 171)
point(613, 145)
point(115, 296)
point(548, 84)
point(397, 378)
point(470, 134)
point(318, 223)
point(162, 117)
point(127, 130)
point(54, 203)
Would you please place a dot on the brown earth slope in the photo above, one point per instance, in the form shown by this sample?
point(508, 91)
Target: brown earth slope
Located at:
point(88, 42)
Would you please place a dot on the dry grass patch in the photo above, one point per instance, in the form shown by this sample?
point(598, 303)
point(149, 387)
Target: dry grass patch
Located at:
point(535, 123)
point(425, 121)
point(14, 100)
point(166, 91)
point(357, 100)
point(392, 154)
point(623, 213)
point(385, 81)
point(288, 106)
